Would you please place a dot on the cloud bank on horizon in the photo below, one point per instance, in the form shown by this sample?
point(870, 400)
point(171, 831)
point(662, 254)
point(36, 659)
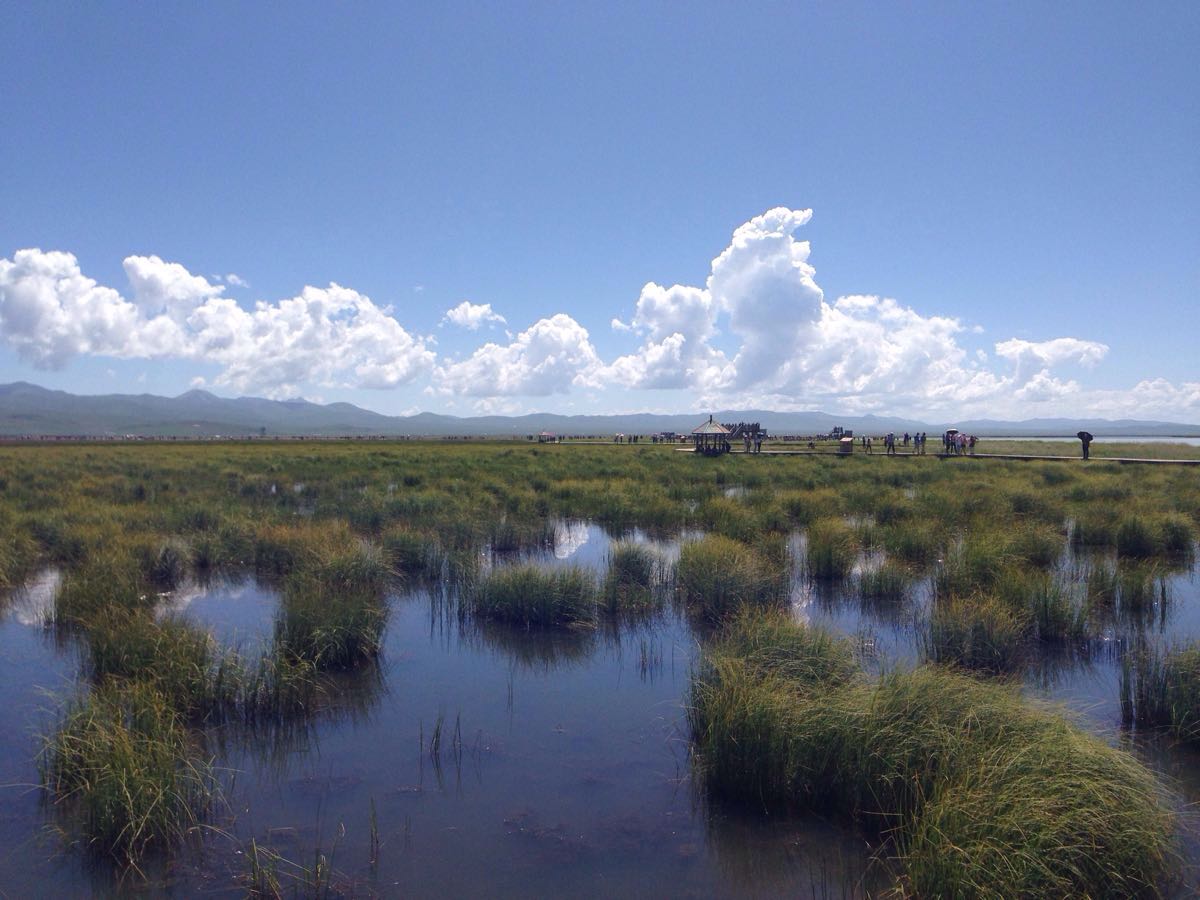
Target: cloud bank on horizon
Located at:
point(759, 333)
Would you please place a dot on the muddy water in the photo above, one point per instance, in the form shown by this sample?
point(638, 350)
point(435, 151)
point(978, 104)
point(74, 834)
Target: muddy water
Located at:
point(563, 766)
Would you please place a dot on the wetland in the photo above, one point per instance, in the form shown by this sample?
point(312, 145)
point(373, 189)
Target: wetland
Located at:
point(427, 668)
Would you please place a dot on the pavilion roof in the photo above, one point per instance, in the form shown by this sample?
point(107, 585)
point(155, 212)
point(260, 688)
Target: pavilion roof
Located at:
point(711, 427)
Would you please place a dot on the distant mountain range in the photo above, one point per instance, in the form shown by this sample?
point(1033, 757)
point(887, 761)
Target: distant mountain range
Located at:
point(26, 409)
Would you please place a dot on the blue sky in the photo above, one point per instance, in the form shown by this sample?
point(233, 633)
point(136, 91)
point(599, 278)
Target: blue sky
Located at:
point(1005, 205)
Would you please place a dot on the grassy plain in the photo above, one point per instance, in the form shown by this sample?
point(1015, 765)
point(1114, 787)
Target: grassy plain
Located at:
point(336, 526)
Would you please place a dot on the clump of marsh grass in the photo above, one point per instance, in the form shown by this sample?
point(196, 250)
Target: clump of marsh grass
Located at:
point(280, 689)
point(831, 549)
point(1140, 589)
point(411, 553)
point(510, 534)
point(633, 578)
point(1135, 538)
point(980, 632)
point(361, 566)
point(1054, 813)
point(742, 708)
point(181, 661)
point(914, 541)
point(100, 585)
point(979, 791)
point(1059, 614)
point(122, 760)
point(1039, 546)
point(887, 581)
point(1161, 689)
point(974, 565)
point(1102, 585)
point(17, 552)
point(165, 563)
point(1177, 536)
point(717, 575)
point(534, 597)
point(1093, 530)
point(330, 625)
point(769, 642)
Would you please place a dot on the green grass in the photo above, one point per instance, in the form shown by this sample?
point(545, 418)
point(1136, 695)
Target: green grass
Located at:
point(1161, 689)
point(979, 792)
point(124, 522)
point(981, 632)
point(122, 767)
point(831, 549)
point(633, 580)
point(717, 576)
point(887, 581)
point(331, 624)
point(532, 597)
point(180, 661)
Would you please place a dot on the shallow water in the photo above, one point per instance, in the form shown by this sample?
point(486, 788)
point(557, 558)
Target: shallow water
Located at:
point(563, 766)
point(238, 611)
point(35, 674)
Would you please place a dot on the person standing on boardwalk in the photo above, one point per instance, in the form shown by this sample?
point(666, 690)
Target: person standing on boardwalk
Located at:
point(1086, 439)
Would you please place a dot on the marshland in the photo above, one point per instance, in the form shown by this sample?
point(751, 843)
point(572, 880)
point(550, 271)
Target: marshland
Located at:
point(380, 669)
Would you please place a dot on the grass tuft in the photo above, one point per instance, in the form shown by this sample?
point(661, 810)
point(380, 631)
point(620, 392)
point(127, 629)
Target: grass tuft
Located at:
point(980, 792)
point(533, 597)
point(122, 760)
point(718, 575)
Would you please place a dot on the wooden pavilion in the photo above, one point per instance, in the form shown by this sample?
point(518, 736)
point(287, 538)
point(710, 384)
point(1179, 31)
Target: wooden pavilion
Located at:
point(711, 438)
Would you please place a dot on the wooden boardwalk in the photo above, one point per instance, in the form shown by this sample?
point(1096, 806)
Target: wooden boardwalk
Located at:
point(1123, 460)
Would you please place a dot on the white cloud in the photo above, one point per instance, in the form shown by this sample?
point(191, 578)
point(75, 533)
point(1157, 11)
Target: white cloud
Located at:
point(550, 357)
point(795, 349)
point(678, 323)
point(759, 333)
point(236, 280)
point(50, 312)
point(1031, 358)
point(764, 282)
point(323, 336)
point(472, 315)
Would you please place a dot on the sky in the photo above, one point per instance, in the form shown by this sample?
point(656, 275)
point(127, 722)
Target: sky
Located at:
point(930, 209)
